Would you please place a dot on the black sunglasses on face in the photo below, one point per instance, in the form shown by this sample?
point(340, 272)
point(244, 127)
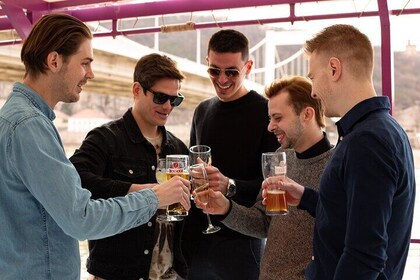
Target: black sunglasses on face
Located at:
point(215, 72)
point(230, 73)
point(161, 98)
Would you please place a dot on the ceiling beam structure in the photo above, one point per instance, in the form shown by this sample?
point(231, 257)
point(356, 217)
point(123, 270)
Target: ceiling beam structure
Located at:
point(20, 15)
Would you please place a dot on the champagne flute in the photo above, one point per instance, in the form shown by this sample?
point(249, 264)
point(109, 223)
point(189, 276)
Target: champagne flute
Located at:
point(203, 152)
point(274, 164)
point(161, 178)
point(199, 183)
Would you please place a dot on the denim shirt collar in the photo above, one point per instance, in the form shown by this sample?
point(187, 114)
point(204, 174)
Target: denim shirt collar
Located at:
point(35, 99)
point(360, 111)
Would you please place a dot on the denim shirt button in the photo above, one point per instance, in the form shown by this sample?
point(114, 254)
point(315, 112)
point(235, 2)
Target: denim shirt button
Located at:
point(153, 167)
point(146, 252)
point(130, 171)
point(149, 224)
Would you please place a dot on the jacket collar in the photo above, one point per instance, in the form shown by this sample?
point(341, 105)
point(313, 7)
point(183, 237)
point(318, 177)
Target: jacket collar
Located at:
point(134, 132)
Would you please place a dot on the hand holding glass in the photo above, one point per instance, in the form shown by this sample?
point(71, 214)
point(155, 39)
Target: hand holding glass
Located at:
point(161, 178)
point(203, 153)
point(199, 183)
point(274, 164)
point(177, 165)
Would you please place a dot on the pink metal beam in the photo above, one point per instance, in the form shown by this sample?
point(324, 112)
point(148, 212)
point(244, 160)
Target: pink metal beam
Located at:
point(169, 7)
point(17, 18)
point(41, 5)
point(185, 5)
point(386, 52)
point(221, 24)
point(6, 25)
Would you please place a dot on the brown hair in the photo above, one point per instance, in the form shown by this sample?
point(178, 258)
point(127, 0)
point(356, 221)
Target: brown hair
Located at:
point(299, 89)
point(55, 32)
point(229, 41)
point(346, 43)
point(153, 67)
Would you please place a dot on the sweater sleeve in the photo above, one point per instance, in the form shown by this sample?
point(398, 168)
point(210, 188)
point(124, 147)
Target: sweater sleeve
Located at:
point(251, 221)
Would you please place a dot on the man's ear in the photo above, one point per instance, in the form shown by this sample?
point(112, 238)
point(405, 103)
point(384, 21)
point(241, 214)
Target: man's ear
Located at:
point(335, 68)
point(249, 66)
point(54, 61)
point(136, 89)
point(308, 113)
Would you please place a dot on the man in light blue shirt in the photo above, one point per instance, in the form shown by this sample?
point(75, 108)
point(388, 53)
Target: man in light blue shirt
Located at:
point(43, 208)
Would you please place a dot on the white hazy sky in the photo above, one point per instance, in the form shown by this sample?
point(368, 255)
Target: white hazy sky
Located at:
point(404, 28)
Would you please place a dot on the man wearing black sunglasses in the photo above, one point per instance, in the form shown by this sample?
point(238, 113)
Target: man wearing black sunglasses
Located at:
point(120, 157)
point(234, 124)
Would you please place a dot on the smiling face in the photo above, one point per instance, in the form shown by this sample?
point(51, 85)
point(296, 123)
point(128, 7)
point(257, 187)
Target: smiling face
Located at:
point(148, 114)
point(229, 88)
point(284, 122)
point(74, 73)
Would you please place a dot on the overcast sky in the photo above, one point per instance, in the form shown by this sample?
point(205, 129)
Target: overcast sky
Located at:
point(403, 27)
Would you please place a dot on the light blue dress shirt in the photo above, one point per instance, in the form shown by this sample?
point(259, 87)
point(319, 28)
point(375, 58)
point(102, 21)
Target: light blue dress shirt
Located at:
point(43, 208)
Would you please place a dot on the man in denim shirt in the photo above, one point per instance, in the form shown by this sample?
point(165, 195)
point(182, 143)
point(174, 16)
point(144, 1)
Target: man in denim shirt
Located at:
point(43, 208)
point(120, 157)
point(364, 208)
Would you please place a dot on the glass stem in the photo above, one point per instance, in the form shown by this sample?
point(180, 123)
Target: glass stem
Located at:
point(209, 220)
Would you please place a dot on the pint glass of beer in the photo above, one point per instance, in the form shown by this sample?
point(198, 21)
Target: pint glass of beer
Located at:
point(177, 165)
point(274, 164)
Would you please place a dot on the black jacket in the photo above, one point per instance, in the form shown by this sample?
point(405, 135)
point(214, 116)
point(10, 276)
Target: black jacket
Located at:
point(111, 158)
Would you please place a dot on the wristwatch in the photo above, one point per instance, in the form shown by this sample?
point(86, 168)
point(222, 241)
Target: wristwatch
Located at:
point(231, 188)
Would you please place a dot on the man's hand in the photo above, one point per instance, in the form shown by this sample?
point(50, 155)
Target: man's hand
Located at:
point(217, 181)
point(294, 191)
point(218, 204)
point(175, 190)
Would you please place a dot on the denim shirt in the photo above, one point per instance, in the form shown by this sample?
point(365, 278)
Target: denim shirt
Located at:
point(365, 205)
point(43, 208)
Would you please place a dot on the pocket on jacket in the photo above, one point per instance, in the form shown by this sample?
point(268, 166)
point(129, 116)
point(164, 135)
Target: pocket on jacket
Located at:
point(129, 170)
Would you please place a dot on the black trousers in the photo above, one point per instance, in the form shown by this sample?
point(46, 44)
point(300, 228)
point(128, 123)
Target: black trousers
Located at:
point(221, 258)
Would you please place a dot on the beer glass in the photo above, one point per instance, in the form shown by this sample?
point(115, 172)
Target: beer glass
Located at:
point(177, 165)
point(161, 178)
point(274, 164)
point(203, 152)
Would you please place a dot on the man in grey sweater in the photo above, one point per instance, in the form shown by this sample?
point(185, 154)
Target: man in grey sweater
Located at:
point(297, 121)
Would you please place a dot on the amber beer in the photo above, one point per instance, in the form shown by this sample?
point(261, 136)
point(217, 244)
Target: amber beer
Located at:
point(274, 164)
point(276, 202)
point(177, 209)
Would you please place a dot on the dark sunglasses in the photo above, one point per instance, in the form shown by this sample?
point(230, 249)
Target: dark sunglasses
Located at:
point(230, 73)
point(161, 98)
point(215, 72)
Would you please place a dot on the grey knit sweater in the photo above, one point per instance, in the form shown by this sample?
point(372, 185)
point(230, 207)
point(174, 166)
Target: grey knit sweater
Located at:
point(289, 238)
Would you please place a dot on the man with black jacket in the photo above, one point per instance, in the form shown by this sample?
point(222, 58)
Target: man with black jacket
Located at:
point(120, 157)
